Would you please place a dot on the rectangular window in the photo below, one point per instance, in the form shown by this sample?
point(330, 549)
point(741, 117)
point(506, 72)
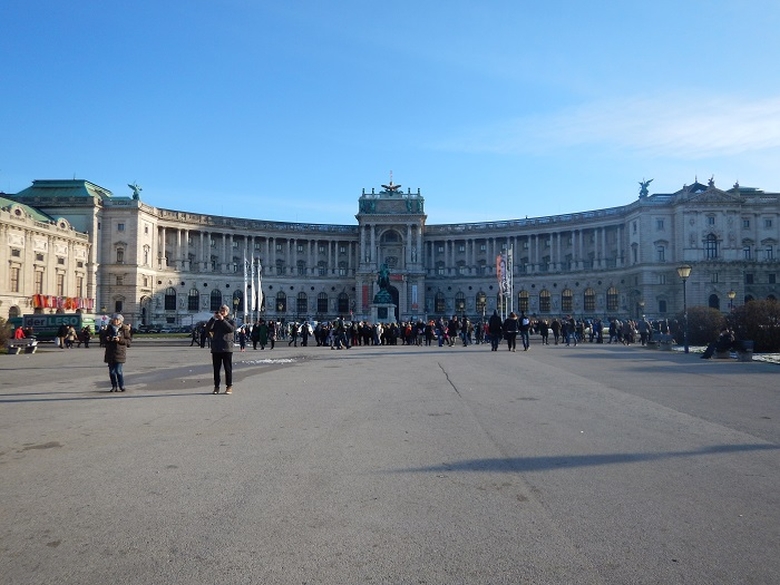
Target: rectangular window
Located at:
point(14, 279)
point(440, 249)
point(746, 253)
point(299, 248)
point(342, 249)
point(767, 223)
point(714, 277)
point(146, 229)
point(748, 278)
point(79, 286)
point(120, 227)
point(120, 280)
point(771, 278)
point(769, 253)
point(16, 252)
point(659, 225)
point(711, 220)
point(278, 247)
point(61, 261)
point(321, 249)
point(661, 306)
point(661, 254)
point(482, 248)
point(461, 248)
point(39, 257)
point(745, 223)
point(60, 284)
point(38, 286)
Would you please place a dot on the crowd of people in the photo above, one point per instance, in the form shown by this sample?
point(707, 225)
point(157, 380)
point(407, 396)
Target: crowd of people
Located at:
point(457, 330)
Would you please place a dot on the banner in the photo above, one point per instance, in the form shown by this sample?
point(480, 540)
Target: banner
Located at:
point(259, 285)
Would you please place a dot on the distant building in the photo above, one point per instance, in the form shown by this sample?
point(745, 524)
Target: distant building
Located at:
point(71, 239)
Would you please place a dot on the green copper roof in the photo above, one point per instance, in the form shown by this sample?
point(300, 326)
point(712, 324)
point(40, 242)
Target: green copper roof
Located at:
point(63, 188)
point(36, 214)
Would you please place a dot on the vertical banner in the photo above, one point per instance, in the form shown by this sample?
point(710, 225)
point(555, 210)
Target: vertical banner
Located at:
point(253, 280)
point(245, 283)
point(414, 297)
point(259, 287)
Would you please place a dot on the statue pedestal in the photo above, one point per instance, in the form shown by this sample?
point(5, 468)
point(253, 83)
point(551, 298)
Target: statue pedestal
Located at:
point(383, 313)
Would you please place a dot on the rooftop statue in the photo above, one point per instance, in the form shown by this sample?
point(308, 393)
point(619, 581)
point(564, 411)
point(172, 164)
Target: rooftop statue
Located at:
point(136, 190)
point(643, 192)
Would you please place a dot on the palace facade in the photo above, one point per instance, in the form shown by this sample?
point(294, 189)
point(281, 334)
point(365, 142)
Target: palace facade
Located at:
point(71, 244)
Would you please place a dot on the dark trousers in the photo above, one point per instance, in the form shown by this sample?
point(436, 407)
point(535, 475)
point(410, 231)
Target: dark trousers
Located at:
point(220, 360)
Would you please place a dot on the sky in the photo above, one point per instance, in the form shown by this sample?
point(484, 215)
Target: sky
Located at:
point(286, 111)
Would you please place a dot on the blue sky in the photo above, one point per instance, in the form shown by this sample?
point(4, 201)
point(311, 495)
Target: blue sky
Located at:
point(287, 110)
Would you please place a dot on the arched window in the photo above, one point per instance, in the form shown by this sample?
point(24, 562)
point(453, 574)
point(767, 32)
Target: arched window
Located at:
point(280, 267)
point(281, 302)
point(322, 303)
point(567, 300)
point(170, 299)
point(612, 299)
point(440, 304)
point(193, 300)
point(440, 270)
point(714, 301)
point(711, 247)
point(215, 300)
point(342, 304)
point(481, 302)
point(302, 304)
point(322, 268)
point(522, 300)
point(460, 302)
point(589, 300)
point(301, 268)
point(544, 301)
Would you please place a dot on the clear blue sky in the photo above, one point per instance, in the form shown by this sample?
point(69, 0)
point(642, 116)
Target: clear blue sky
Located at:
point(287, 110)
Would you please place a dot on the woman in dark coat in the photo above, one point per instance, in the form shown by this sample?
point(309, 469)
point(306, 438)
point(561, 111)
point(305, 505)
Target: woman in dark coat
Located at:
point(116, 338)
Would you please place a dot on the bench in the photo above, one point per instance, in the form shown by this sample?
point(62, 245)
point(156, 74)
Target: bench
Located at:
point(16, 346)
point(665, 341)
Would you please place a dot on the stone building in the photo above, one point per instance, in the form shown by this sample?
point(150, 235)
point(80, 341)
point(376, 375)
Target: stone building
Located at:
point(71, 238)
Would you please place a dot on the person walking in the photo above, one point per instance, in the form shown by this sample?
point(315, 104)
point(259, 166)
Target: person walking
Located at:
point(511, 327)
point(116, 338)
point(495, 330)
point(525, 329)
point(221, 330)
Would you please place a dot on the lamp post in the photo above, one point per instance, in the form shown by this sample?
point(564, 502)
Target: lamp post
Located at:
point(731, 294)
point(236, 302)
point(684, 272)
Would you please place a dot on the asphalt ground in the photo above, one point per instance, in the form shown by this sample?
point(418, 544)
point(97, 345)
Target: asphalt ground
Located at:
point(596, 464)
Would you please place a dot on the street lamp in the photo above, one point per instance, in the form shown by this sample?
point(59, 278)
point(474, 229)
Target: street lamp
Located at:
point(684, 272)
point(731, 294)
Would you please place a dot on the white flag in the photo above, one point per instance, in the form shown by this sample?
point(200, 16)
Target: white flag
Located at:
point(245, 286)
point(253, 280)
point(259, 286)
